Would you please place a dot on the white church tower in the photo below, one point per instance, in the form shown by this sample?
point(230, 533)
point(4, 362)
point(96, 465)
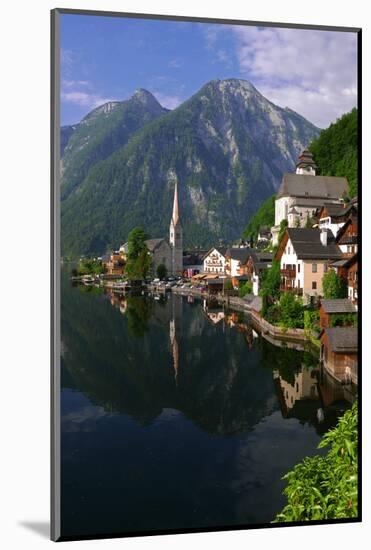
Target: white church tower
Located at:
point(176, 237)
point(306, 165)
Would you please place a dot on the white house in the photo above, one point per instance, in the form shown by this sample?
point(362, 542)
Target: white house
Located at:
point(304, 256)
point(334, 216)
point(215, 260)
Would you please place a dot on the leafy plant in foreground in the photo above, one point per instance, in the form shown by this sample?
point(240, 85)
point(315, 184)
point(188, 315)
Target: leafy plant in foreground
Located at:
point(326, 487)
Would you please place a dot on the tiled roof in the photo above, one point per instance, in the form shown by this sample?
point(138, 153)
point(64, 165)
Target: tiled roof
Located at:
point(307, 244)
point(240, 254)
point(343, 339)
point(152, 244)
point(299, 185)
point(338, 306)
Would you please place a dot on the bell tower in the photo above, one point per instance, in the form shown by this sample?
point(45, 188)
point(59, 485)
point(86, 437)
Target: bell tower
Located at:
point(176, 237)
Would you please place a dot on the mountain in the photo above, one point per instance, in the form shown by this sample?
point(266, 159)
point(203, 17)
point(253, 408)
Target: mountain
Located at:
point(227, 147)
point(336, 150)
point(101, 133)
point(66, 133)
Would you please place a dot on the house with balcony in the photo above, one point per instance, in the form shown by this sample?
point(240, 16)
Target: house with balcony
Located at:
point(214, 261)
point(304, 256)
point(114, 263)
point(301, 194)
point(236, 260)
point(257, 263)
point(347, 236)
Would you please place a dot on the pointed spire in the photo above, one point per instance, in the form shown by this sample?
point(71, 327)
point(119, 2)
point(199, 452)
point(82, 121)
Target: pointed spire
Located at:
point(175, 217)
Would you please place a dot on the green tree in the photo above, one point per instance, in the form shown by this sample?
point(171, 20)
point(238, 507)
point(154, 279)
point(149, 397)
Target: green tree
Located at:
point(326, 487)
point(139, 260)
point(336, 150)
point(271, 280)
point(333, 285)
point(291, 311)
point(283, 226)
point(136, 242)
point(161, 271)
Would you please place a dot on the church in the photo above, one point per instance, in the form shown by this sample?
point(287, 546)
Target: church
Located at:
point(169, 253)
point(301, 193)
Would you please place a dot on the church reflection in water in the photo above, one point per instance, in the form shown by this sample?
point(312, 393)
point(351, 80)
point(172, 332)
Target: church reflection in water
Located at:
point(304, 391)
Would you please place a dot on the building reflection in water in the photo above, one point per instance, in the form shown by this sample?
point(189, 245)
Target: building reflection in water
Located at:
point(213, 312)
point(309, 394)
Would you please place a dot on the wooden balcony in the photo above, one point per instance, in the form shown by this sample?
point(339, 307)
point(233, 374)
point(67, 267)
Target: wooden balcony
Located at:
point(289, 272)
point(288, 288)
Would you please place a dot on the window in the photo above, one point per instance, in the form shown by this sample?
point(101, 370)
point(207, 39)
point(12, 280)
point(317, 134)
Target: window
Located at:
point(298, 268)
point(325, 267)
point(314, 285)
point(314, 268)
point(288, 250)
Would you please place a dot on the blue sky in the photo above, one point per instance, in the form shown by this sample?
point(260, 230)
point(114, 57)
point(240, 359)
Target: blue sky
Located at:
point(106, 58)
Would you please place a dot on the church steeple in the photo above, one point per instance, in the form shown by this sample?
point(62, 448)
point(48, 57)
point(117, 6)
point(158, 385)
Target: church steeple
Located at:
point(175, 217)
point(176, 236)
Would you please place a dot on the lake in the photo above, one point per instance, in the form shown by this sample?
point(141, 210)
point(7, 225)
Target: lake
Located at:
point(177, 415)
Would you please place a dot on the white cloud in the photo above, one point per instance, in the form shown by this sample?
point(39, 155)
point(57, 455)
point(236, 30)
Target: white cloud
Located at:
point(312, 72)
point(75, 83)
point(81, 93)
point(175, 64)
point(85, 99)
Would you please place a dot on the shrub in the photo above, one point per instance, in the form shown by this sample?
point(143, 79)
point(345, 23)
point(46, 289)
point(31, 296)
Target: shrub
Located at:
point(291, 311)
point(326, 487)
point(245, 288)
point(311, 319)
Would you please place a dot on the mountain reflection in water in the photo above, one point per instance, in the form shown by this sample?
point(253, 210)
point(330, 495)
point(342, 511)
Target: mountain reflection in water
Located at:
point(177, 414)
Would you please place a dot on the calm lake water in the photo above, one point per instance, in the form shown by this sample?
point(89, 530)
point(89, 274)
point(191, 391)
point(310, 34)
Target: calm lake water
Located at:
point(179, 416)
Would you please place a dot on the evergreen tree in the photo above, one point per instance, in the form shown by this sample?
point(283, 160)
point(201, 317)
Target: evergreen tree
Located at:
point(336, 150)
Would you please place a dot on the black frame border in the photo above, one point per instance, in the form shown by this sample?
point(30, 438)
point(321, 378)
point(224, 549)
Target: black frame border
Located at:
point(55, 530)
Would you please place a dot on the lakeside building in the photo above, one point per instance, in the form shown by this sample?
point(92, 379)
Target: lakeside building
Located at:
point(304, 256)
point(331, 311)
point(214, 260)
point(236, 260)
point(193, 263)
point(257, 263)
point(114, 263)
point(339, 353)
point(302, 193)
